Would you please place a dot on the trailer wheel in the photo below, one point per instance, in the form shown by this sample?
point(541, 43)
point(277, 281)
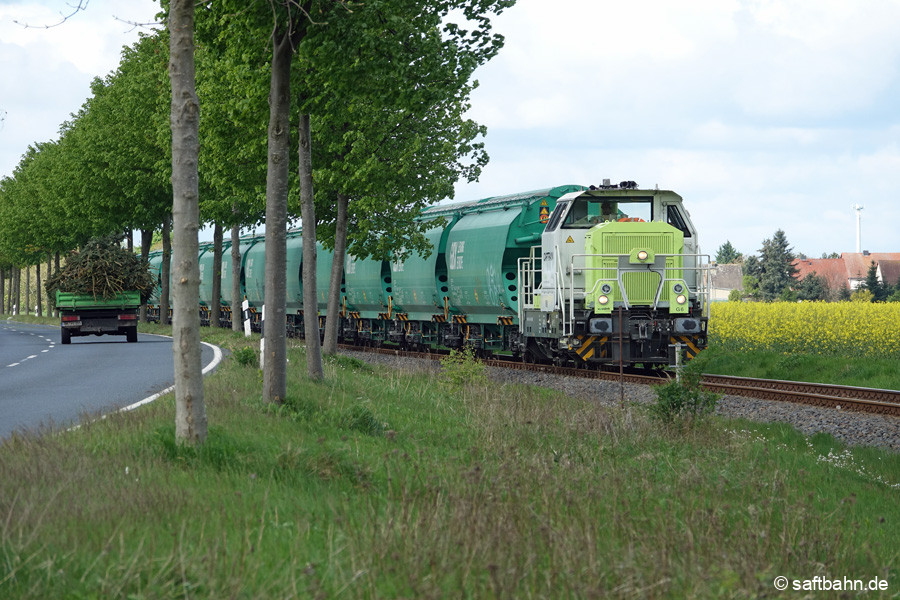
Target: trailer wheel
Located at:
point(131, 335)
point(65, 336)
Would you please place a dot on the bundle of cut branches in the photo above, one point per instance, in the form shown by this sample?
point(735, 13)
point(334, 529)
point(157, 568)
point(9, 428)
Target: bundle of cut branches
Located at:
point(103, 269)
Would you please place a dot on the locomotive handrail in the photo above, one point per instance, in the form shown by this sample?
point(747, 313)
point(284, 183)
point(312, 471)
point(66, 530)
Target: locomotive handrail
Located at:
point(560, 284)
point(700, 290)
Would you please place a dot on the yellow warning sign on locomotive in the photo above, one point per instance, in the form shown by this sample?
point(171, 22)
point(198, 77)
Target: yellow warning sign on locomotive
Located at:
point(569, 240)
point(545, 214)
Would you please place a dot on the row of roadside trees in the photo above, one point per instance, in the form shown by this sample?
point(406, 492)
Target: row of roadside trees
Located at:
point(347, 114)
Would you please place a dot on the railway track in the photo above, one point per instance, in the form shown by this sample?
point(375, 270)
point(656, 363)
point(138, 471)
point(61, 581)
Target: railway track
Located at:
point(843, 397)
point(838, 397)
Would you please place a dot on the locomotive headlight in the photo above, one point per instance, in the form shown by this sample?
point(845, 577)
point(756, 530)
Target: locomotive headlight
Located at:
point(605, 288)
point(642, 255)
point(603, 300)
point(681, 299)
point(678, 288)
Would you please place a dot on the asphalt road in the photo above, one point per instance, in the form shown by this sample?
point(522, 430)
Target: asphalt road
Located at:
point(43, 382)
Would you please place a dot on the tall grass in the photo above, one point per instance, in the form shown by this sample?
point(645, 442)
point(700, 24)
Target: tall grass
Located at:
point(377, 484)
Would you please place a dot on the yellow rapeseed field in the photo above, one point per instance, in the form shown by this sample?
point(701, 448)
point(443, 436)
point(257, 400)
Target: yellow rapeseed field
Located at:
point(836, 328)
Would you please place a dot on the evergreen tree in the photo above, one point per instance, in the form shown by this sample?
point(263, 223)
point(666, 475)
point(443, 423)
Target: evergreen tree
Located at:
point(752, 267)
point(844, 294)
point(812, 287)
point(895, 293)
point(777, 268)
point(727, 254)
point(879, 291)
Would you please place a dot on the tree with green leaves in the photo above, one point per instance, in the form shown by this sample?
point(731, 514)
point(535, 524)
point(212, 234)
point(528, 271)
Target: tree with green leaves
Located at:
point(895, 293)
point(752, 266)
point(277, 28)
point(812, 287)
point(880, 292)
point(374, 142)
point(776, 264)
point(727, 254)
point(233, 83)
point(844, 294)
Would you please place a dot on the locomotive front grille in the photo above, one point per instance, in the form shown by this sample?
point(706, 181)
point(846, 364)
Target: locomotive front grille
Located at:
point(624, 243)
point(641, 286)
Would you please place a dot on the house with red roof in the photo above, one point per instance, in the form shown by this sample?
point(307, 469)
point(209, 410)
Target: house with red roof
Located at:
point(851, 268)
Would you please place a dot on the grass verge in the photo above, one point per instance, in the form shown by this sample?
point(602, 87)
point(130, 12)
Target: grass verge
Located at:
point(881, 373)
point(376, 483)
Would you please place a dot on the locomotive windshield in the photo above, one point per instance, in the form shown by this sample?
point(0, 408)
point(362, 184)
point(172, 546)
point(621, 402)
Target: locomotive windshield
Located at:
point(588, 211)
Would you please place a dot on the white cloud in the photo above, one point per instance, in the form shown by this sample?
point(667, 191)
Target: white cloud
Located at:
point(52, 67)
point(763, 114)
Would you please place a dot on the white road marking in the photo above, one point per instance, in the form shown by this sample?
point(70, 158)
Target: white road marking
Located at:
point(50, 347)
point(217, 358)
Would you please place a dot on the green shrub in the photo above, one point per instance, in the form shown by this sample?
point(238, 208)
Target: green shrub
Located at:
point(361, 419)
point(684, 402)
point(461, 367)
point(245, 356)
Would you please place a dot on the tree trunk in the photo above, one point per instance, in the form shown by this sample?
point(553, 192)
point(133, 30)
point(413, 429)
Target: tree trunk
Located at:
point(237, 313)
point(146, 242)
point(55, 270)
point(190, 412)
point(274, 365)
point(215, 310)
point(129, 240)
point(2, 291)
point(27, 289)
point(17, 294)
point(165, 270)
point(308, 219)
point(37, 274)
point(337, 273)
point(51, 302)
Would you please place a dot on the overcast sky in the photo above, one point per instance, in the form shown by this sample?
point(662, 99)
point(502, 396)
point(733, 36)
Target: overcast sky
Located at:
point(762, 114)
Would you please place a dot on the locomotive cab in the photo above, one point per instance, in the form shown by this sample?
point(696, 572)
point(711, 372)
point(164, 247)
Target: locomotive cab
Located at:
point(620, 279)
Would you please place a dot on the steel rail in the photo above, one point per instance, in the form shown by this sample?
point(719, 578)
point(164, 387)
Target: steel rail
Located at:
point(871, 400)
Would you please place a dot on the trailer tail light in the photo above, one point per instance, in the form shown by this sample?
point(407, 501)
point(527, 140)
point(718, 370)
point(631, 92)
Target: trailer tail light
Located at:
point(70, 318)
point(128, 317)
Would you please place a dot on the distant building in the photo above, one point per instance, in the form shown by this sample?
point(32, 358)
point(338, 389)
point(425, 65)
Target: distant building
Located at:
point(723, 279)
point(851, 268)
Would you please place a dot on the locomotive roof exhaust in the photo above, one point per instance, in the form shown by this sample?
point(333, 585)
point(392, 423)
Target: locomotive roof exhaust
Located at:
point(623, 185)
